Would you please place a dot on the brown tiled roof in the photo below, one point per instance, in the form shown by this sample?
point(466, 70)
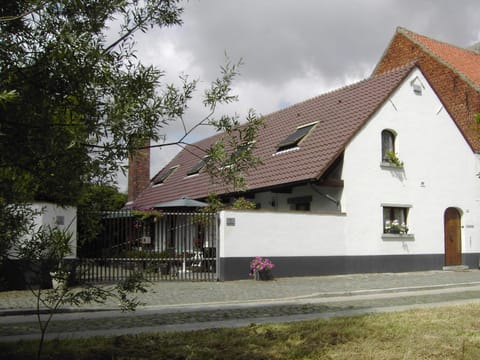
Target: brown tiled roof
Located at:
point(465, 62)
point(340, 114)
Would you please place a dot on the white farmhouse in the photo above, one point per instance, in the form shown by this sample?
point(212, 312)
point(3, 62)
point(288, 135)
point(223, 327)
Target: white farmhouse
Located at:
point(372, 177)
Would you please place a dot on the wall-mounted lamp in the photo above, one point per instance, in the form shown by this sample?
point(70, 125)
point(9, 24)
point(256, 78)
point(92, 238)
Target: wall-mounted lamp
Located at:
point(417, 86)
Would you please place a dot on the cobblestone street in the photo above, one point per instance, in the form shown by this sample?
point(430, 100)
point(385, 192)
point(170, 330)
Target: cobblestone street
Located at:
point(188, 305)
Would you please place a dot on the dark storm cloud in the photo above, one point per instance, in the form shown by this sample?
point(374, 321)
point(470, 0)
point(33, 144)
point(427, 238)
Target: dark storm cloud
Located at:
point(283, 39)
point(293, 49)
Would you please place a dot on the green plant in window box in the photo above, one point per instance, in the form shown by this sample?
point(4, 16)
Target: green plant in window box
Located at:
point(393, 159)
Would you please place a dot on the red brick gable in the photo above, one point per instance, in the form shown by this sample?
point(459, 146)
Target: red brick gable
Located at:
point(453, 73)
point(338, 116)
point(463, 61)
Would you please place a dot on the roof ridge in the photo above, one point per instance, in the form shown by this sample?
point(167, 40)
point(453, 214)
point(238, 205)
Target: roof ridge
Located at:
point(409, 33)
point(330, 92)
point(347, 86)
point(406, 66)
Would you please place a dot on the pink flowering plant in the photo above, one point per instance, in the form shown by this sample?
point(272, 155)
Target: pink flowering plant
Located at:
point(260, 264)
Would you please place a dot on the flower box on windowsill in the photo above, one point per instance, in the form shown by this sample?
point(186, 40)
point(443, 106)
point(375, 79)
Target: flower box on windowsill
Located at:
point(390, 166)
point(401, 237)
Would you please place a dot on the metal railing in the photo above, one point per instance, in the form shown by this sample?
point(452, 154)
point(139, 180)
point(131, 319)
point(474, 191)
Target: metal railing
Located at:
point(164, 246)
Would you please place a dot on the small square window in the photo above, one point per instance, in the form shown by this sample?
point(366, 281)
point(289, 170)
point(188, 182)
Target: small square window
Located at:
point(395, 220)
point(60, 220)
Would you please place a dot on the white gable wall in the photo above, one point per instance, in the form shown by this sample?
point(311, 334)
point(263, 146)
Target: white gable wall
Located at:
point(439, 172)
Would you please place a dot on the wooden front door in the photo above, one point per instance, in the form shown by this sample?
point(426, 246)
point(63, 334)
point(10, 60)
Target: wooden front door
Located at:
point(453, 237)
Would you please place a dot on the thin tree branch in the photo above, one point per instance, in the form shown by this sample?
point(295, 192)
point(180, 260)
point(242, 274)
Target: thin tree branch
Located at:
point(17, 17)
point(126, 35)
point(122, 38)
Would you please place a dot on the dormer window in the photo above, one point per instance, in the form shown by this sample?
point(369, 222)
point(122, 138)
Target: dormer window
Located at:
point(198, 166)
point(162, 177)
point(293, 140)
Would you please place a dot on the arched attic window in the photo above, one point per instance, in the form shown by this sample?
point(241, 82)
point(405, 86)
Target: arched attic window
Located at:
point(388, 144)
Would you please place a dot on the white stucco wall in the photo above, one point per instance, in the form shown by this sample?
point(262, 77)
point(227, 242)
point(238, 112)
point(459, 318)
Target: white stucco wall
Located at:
point(439, 172)
point(265, 233)
point(63, 218)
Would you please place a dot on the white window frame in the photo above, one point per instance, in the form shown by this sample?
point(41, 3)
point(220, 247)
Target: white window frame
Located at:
point(396, 225)
point(392, 136)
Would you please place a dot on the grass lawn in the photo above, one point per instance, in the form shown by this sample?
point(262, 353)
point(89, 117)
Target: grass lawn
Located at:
point(441, 333)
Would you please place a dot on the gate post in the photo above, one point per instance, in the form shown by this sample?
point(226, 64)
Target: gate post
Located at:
point(218, 271)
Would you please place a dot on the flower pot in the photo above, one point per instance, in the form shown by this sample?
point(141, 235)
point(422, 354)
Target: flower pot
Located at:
point(263, 275)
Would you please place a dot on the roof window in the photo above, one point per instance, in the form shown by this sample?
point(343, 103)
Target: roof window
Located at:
point(160, 178)
point(198, 166)
point(294, 139)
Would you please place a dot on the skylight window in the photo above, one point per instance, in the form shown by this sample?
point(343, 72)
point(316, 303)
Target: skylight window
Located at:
point(160, 179)
point(294, 139)
point(198, 166)
point(242, 148)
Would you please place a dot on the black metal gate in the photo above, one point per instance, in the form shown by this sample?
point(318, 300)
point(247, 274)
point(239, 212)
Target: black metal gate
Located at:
point(165, 246)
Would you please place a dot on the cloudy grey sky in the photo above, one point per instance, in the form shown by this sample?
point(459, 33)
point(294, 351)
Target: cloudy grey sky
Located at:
point(292, 50)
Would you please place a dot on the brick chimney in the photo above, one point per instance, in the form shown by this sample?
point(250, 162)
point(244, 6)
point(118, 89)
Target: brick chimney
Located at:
point(138, 172)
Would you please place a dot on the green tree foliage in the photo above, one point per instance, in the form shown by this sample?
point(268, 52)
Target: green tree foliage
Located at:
point(232, 156)
point(94, 200)
point(75, 101)
point(83, 102)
